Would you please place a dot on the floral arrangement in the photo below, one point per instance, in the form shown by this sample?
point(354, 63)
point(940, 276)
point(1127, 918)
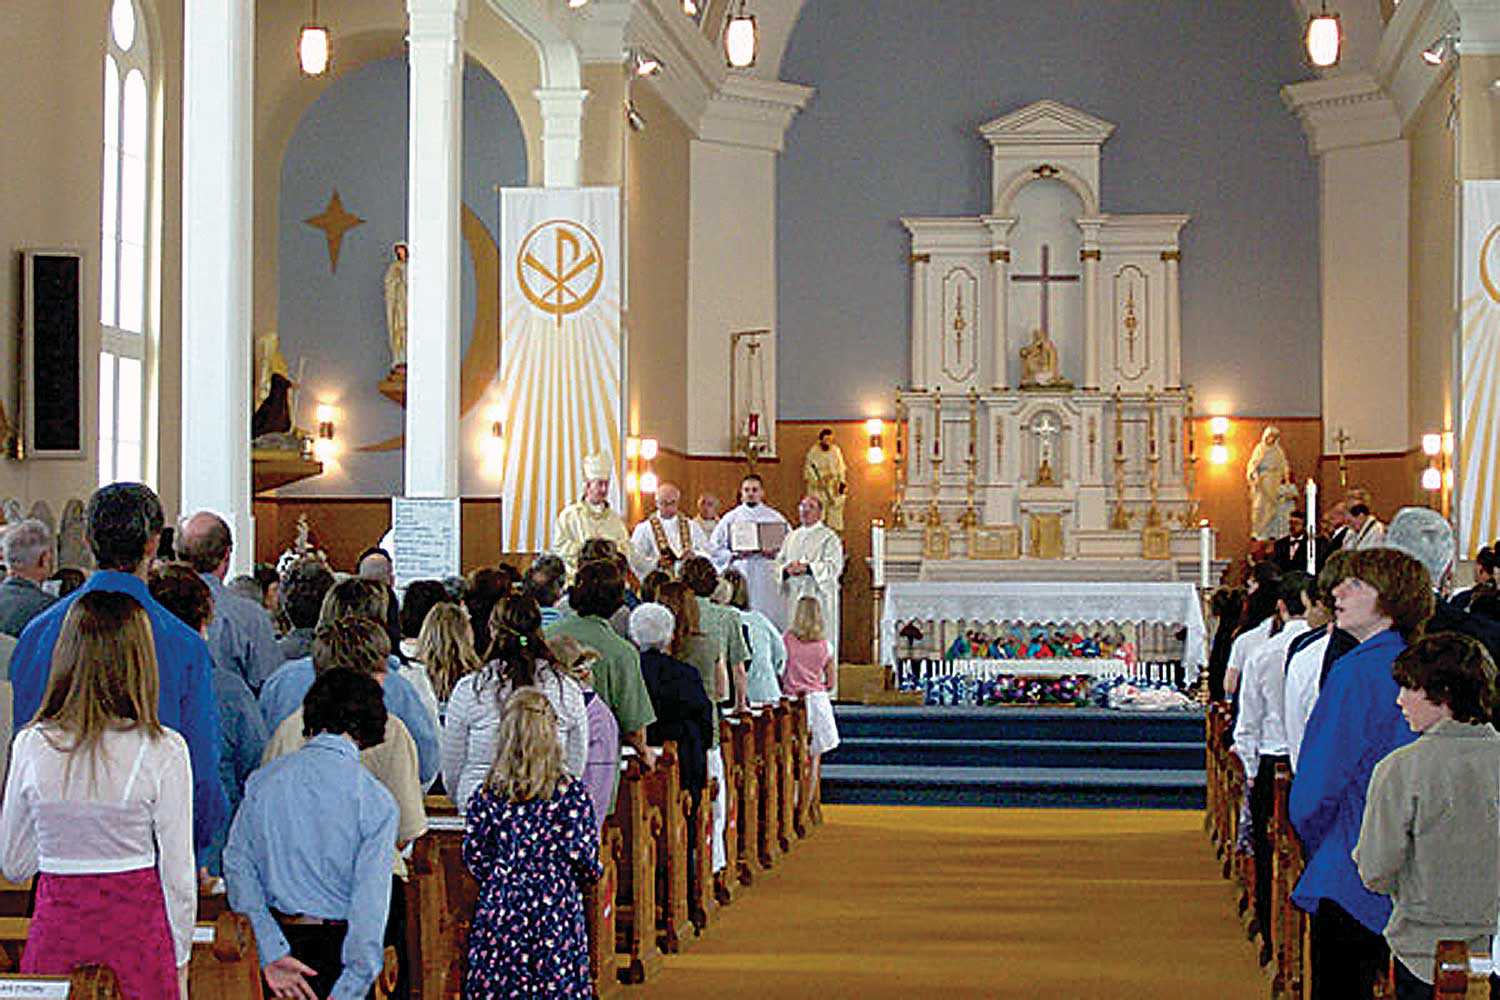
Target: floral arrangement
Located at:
point(1036, 642)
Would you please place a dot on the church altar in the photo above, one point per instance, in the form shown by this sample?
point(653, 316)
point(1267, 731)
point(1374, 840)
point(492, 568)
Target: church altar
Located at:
point(1150, 609)
point(1046, 417)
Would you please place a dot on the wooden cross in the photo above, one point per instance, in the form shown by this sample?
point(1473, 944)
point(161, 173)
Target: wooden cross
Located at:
point(1045, 278)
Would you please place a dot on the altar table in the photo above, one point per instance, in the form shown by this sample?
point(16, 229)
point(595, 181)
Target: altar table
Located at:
point(1037, 603)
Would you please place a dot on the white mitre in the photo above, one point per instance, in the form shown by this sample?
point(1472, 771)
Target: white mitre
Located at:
point(597, 466)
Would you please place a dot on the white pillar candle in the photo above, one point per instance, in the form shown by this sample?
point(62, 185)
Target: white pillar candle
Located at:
point(877, 553)
point(1205, 552)
point(1312, 527)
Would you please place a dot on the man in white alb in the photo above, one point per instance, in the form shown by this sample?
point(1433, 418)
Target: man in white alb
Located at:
point(708, 514)
point(749, 556)
point(810, 561)
point(663, 540)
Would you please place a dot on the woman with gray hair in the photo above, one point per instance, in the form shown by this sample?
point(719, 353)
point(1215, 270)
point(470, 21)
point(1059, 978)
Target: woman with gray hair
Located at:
point(683, 712)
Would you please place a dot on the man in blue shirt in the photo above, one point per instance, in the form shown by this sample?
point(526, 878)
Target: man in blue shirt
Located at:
point(285, 689)
point(240, 636)
point(309, 855)
point(123, 527)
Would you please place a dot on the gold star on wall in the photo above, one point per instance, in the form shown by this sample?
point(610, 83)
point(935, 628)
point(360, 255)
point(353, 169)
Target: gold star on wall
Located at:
point(335, 221)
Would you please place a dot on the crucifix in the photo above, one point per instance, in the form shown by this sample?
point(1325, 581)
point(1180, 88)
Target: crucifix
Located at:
point(1044, 278)
point(1045, 430)
point(1342, 439)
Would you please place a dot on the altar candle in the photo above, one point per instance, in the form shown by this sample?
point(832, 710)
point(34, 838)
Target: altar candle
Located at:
point(754, 422)
point(1205, 552)
point(1312, 527)
point(877, 553)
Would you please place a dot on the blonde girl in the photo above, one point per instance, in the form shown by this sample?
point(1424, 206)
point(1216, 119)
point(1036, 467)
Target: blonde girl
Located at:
point(532, 843)
point(811, 673)
point(445, 645)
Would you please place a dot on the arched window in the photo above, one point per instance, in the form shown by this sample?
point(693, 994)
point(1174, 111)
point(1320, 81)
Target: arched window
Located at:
point(124, 234)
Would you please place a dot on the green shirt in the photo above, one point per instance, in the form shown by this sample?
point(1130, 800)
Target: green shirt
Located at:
point(723, 625)
point(617, 671)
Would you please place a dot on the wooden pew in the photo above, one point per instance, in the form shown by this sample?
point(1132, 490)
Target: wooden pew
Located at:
point(742, 738)
point(665, 793)
point(225, 964)
point(15, 898)
point(727, 880)
point(599, 915)
point(1289, 922)
point(1452, 976)
point(768, 770)
point(88, 982)
point(701, 898)
point(786, 834)
point(639, 823)
point(802, 820)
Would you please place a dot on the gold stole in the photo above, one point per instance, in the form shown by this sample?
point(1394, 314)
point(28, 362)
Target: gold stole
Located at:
point(663, 547)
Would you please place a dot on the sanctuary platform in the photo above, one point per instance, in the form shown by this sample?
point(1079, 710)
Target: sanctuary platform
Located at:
point(1017, 757)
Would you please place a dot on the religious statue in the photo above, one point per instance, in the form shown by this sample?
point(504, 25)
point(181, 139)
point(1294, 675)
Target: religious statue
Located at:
point(827, 478)
point(395, 305)
point(268, 362)
point(1039, 366)
point(1266, 470)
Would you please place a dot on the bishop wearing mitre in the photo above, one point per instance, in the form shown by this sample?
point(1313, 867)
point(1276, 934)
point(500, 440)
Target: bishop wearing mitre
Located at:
point(748, 538)
point(590, 517)
point(809, 564)
point(663, 540)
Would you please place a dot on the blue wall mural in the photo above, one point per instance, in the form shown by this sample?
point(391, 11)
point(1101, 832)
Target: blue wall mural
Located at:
point(353, 140)
point(902, 88)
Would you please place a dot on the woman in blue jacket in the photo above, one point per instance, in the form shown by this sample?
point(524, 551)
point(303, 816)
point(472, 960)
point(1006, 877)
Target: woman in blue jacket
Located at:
point(1383, 602)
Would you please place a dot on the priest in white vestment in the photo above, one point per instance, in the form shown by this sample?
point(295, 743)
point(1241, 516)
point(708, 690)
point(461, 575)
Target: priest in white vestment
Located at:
point(809, 564)
point(590, 517)
point(663, 540)
point(708, 514)
point(759, 564)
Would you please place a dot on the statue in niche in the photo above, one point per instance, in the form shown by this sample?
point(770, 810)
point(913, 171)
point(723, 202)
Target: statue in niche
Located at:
point(395, 305)
point(1266, 470)
point(1039, 365)
point(268, 362)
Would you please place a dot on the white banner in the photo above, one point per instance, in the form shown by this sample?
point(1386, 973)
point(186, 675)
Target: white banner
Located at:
point(1479, 369)
point(561, 351)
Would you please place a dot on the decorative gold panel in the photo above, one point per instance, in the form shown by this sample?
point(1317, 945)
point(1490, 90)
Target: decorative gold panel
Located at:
point(1046, 536)
point(1156, 542)
point(995, 541)
point(935, 542)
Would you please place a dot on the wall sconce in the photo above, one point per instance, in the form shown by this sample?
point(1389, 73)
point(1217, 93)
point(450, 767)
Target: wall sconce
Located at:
point(1432, 476)
point(1218, 452)
point(639, 454)
point(1325, 38)
point(325, 449)
point(875, 427)
point(741, 39)
point(312, 46)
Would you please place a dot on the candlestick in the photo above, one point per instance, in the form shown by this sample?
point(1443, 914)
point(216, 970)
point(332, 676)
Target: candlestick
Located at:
point(1205, 552)
point(1312, 527)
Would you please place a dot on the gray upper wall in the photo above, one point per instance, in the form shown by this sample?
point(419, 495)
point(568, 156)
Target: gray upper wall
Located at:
point(902, 87)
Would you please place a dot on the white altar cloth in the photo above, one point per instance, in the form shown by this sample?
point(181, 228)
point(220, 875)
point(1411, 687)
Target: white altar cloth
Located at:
point(1045, 603)
point(1053, 667)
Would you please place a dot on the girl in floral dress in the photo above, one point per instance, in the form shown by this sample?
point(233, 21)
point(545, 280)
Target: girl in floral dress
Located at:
point(531, 842)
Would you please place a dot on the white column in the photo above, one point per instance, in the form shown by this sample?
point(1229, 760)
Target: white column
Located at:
point(1364, 171)
point(1000, 275)
point(562, 134)
point(919, 263)
point(435, 52)
point(217, 138)
point(1170, 259)
point(1090, 260)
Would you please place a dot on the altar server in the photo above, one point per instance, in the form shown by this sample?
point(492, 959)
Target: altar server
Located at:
point(590, 517)
point(758, 565)
point(663, 540)
point(809, 564)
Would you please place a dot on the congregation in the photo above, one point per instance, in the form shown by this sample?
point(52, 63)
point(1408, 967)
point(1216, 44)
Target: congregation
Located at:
point(277, 737)
point(1374, 686)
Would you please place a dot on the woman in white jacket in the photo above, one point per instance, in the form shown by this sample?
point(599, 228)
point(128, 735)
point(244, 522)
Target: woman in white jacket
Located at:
point(518, 657)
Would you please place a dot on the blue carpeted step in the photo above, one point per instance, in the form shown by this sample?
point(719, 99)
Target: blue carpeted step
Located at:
point(1014, 786)
point(1092, 725)
point(875, 750)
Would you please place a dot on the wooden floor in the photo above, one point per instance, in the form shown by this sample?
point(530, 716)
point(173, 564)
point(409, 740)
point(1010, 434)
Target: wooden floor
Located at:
point(961, 902)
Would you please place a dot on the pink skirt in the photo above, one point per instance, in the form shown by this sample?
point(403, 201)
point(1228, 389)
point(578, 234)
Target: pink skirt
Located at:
point(118, 920)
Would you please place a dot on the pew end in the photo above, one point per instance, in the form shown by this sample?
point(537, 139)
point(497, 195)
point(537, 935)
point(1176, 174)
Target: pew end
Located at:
point(87, 982)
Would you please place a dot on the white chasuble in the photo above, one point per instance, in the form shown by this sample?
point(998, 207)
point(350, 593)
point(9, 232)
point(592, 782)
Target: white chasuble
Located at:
point(819, 547)
point(761, 576)
point(645, 547)
point(578, 522)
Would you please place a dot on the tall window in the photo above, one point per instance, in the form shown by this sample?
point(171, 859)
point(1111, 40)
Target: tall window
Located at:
point(123, 278)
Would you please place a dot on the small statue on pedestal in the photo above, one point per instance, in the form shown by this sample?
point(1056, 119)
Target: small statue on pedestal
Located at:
point(1039, 364)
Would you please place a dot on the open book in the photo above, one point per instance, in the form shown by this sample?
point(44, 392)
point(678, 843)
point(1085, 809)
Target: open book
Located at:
point(756, 536)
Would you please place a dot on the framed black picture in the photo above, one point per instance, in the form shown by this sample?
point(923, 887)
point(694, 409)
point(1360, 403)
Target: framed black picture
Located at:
point(51, 391)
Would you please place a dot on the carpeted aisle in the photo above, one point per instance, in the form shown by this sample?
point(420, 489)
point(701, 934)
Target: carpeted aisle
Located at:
point(962, 902)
